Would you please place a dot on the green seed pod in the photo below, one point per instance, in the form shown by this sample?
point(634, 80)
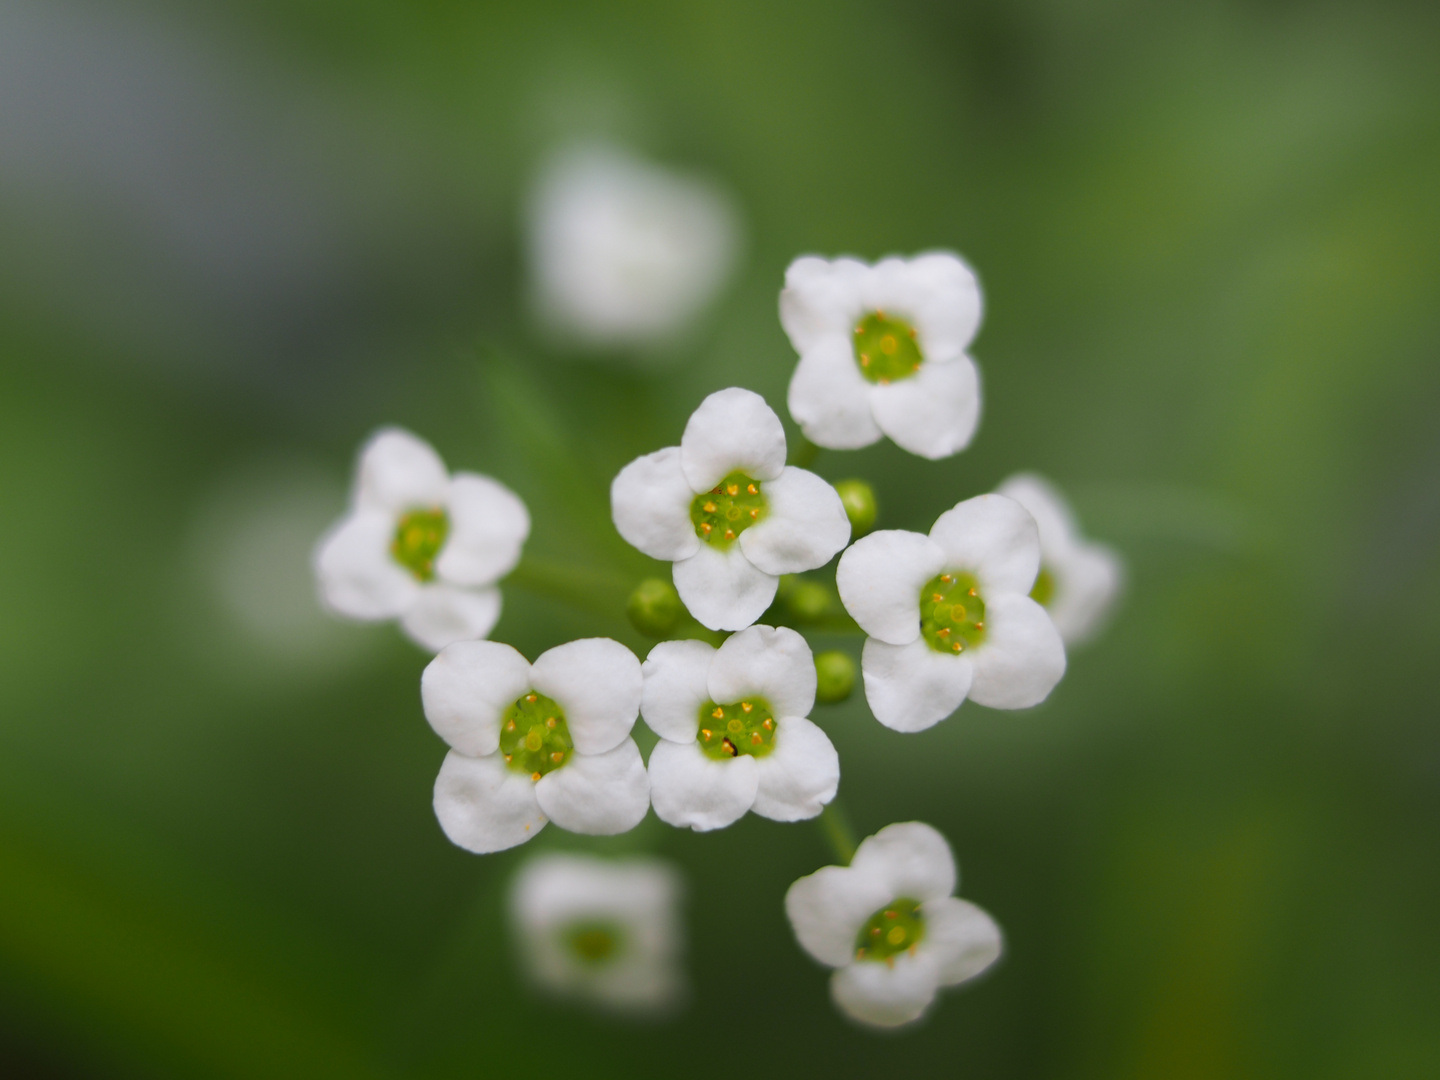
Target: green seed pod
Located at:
point(809, 601)
point(858, 498)
point(654, 608)
point(834, 677)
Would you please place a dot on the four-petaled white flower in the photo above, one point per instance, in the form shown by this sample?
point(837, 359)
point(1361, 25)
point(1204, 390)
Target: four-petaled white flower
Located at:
point(604, 931)
point(949, 615)
point(421, 545)
point(734, 730)
point(727, 511)
point(624, 253)
point(531, 743)
point(1079, 579)
point(890, 925)
point(882, 351)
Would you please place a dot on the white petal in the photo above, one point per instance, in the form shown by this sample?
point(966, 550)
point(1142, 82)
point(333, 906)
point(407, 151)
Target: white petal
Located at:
point(1088, 578)
point(804, 529)
point(874, 992)
point(828, 908)
point(488, 526)
point(483, 806)
point(800, 775)
point(443, 614)
point(912, 687)
point(399, 471)
point(830, 399)
point(597, 682)
point(357, 576)
point(772, 662)
point(879, 580)
point(934, 412)
point(937, 293)
point(723, 589)
point(911, 858)
point(597, 794)
point(732, 430)
point(821, 297)
point(676, 685)
point(650, 505)
point(466, 690)
point(691, 790)
point(1052, 516)
point(993, 538)
point(1021, 658)
point(962, 938)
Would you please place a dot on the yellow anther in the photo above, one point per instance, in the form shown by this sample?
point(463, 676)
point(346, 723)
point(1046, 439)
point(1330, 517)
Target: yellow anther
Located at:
point(859, 329)
point(753, 490)
point(946, 578)
point(510, 726)
point(730, 748)
point(745, 706)
point(707, 527)
point(912, 331)
point(729, 534)
point(507, 758)
point(719, 713)
point(972, 592)
point(707, 733)
point(979, 626)
point(896, 935)
point(530, 697)
point(944, 631)
point(550, 722)
point(892, 914)
point(958, 647)
point(558, 756)
point(874, 931)
point(709, 508)
point(860, 954)
point(755, 739)
point(754, 513)
point(534, 777)
point(769, 724)
point(879, 314)
point(733, 489)
point(937, 597)
point(864, 359)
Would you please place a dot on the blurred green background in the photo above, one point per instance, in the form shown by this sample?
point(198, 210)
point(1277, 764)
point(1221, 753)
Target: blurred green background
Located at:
point(235, 238)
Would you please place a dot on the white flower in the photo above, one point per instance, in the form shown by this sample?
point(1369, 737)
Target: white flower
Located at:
point(421, 545)
point(1079, 579)
point(734, 730)
point(624, 253)
point(882, 351)
point(727, 511)
point(890, 925)
point(601, 930)
point(535, 743)
point(949, 615)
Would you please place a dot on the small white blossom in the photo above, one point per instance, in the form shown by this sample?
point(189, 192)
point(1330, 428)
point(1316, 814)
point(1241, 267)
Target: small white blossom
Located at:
point(727, 511)
point(624, 253)
point(734, 730)
point(605, 931)
point(1079, 579)
point(882, 351)
point(535, 743)
point(890, 926)
point(949, 615)
point(421, 545)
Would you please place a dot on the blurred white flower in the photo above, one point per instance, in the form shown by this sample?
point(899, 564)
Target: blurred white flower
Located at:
point(734, 730)
point(949, 615)
point(535, 743)
point(1079, 579)
point(624, 253)
point(891, 927)
point(727, 511)
point(421, 545)
point(882, 351)
point(601, 930)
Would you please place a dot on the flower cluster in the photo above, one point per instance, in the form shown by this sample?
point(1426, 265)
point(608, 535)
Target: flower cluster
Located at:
point(980, 608)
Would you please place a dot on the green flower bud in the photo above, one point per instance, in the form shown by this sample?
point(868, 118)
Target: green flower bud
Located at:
point(834, 677)
point(654, 608)
point(809, 601)
point(858, 498)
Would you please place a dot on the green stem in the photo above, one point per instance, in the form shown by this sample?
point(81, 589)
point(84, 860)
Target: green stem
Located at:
point(838, 834)
point(599, 592)
point(804, 453)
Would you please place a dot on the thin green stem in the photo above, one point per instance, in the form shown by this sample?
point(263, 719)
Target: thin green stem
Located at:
point(838, 834)
point(596, 591)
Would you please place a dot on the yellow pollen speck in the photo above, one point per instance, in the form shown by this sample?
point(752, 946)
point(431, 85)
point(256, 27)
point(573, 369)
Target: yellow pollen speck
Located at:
point(946, 578)
point(958, 647)
point(530, 697)
point(859, 329)
point(896, 935)
point(719, 713)
point(558, 756)
point(730, 747)
point(891, 914)
point(753, 490)
point(979, 626)
point(879, 314)
point(706, 526)
point(507, 759)
point(705, 731)
point(874, 931)
point(733, 489)
point(550, 722)
point(729, 534)
point(510, 726)
point(972, 592)
point(754, 513)
point(755, 739)
point(534, 777)
point(912, 331)
point(746, 706)
point(864, 359)
point(769, 724)
point(709, 508)
point(937, 597)
point(944, 631)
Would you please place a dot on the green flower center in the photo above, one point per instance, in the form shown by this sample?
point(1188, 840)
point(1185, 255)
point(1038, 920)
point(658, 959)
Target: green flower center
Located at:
point(418, 539)
point(593, 943)
point(1044, 590)
point(728, 509)
point(893, 929)
point(952, 615)
point(885, 348)
point(534, 736)
point(746, 727)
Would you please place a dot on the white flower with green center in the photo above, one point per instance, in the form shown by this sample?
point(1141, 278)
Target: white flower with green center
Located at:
point(420, 545)
point(891, 927)
point(727, 511)
point(532, 743)
point(1079, 579)
point(624, 253)
point(949, 615)
point(734, 730)
point(882, 351)
point(604, 931)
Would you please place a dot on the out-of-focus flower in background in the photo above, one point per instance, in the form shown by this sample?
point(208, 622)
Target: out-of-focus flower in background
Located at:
point(1079, 580)
point(890, 926)
point(624, 254)
point(607, 932)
